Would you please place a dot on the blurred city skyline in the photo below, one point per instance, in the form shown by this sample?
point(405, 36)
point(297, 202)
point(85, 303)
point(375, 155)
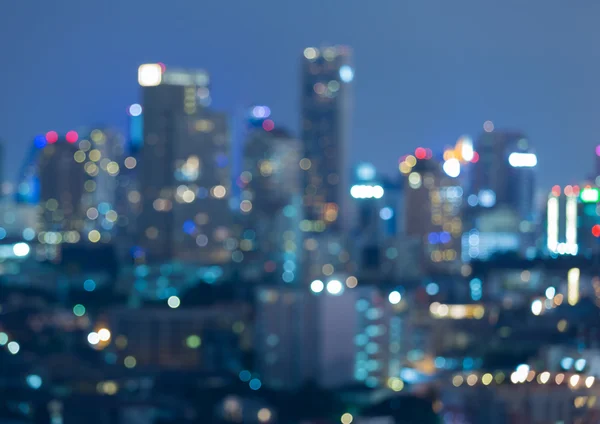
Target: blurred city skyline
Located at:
point(421, 78)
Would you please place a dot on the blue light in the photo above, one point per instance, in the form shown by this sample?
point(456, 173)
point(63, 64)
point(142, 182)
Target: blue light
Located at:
point(34, 381)
point(289, 211)
point(40, 141)
point(566, 363)
point(580, 364)
point(487, 198)
point(255, 384)
point(346, 73)
point(2, 233)
point(221, 160)
point(365, 172)
point(468, 363)
point(28, 234)
point(386, 213)
point(287, 276)
point(245, 375)
point(103, 208)
point(432, 289)
point(445, 237)
point(189, 227)
point(433, 238)
point(89, 285)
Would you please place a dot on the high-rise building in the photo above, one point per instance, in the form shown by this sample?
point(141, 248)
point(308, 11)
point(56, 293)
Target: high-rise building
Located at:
point(501, 195)
point(76, 178)
point(378, 202)
point(332, 335)
point(271, 203)
point(326, 103)
point(184, 170)
point(432, 215)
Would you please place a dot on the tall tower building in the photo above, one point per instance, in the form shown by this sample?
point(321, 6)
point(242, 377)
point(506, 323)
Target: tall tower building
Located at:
point(271, 203)
point(184, 170)
point(77, 177)
point(433, 200)
point(501, 213)
point(325, 107)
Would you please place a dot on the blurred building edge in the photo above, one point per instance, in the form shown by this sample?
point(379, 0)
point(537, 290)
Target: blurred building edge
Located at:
point(333, 337)
point(270, 207)
point(206, 339)
point(326, 104)
point(184, 171)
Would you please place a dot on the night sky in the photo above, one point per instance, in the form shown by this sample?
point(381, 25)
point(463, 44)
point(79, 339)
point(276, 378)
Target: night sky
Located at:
point(427, 71)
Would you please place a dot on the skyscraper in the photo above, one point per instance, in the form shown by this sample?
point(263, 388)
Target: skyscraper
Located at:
point(271, 203)
point(77, 181)
point(325, 112)
point(184, 172)
point(433, 200)
point(501, 213)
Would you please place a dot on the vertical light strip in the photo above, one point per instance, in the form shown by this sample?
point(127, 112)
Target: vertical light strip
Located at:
point(573, 286)
point(571, 230)
point(552, 229)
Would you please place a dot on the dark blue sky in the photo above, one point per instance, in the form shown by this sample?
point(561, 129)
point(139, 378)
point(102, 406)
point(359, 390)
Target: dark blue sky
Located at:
point(427, 71)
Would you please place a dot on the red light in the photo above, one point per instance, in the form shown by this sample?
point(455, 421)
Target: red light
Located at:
point(51, 137)
point(576, 190)
point(72, 136)
point(475, 157)
point(556, 190)
point(420, 153)
point(596, 230)
point(268, 125)
point(429, 154)
point(163, 67)
point(569, 190)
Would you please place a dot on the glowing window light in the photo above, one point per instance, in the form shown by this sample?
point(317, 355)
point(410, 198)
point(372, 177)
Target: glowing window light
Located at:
point(335, 287)
point(150, 74)
point(552, 228)
point(571, 230)
point(573, 286)
point(13, 347)
point(317, 286)
point(135, 109)
point(366, 192)
point(590, 195)
point(395, 297)
point(346, 74)
point(173, 302)
point(93, 338)
point(104, 334)
point(522, 160)
point(466, 149)
point(452, 167)
point(21, 249)
point(536, 307)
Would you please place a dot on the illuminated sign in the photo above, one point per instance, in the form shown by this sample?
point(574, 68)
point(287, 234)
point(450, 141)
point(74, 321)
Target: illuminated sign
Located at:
point(522, 160)
point(590, 195)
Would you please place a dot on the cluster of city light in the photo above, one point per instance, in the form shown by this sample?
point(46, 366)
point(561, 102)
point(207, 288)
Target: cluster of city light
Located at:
point(471, 311)
point(524, 374)
point(367, 191)
point(12, 346)
point(334, 287)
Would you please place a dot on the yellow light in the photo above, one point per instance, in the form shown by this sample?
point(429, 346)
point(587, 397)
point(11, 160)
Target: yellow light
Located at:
point(104, 334)
point(95, 155)
point(573, 286)
point(351, 282)
point(544, 377)
point(219, 191)
point(486, 379)
point(574, 380)
point(347, 418)
point(94, 236)
point(457, 380)
point(410, 160)
point(130, 361)
point(559, 378)
point(395, 384)
point(79, 156)
point(404, 167)
point(562, 325)
point(112, 168)
point(149, 75)
point(264, 415)
point(589, 382)
point(246, 206)
point(472, 380)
